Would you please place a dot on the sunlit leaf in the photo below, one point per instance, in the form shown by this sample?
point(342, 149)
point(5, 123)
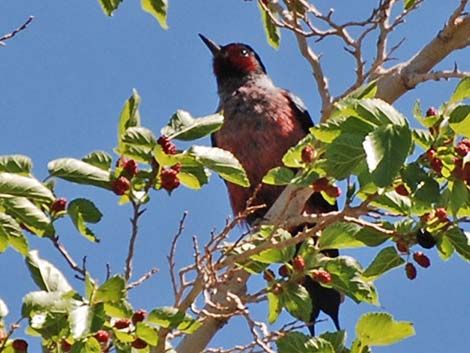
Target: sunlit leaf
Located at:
point(99, 159)
point(113, 290)
point(273, 34)
point(182, 126)
point(19, 185)
point(158, 9)
point(378, 329)
point(79, 172)
point(45, 275)
point(16, 163)
point(299, 343)
point(462, 91)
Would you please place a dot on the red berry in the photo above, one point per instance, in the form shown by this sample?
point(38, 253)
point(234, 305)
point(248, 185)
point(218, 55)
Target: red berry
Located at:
point(465, 142)
point(177, 167)
point(441, 214)
point(284, 271)
point(298, 263)
point(66, 346)
point(401, 190)
point(410, 270)
point(269, 276)
point(139, 344)
point(436, 165)
point(308, 154)
point(121, 162)
point(102, 336)
point(20, 345)
point(122, 323)
point(139, 316)
point(131, 168)
point(333, 191)
point(167, 145)
point(169, 179)
point(421, 259)
point(320, 184)
point(461, 149)
point(402, 246)
point(59, 205)
point(121, 185)
point(321, 276)
point(431, 111)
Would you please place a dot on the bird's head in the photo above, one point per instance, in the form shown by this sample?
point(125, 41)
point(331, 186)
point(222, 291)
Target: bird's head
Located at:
point(235, 60)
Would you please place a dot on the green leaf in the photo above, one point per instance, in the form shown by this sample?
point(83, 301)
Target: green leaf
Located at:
point(11, 234)
point(462, 91)
point(279, 176)
point(109, 6)
point(460, 240)
point(299, 343)
point(170, 317)
point(91, 345)
point(379, 329)
point(82, 211)
point(90, 286)
point(408, 4)
point(147, 333)
point(274, 307)
point(445, 248)
point(79, 172)
point(99, 159)
point(393, 202)
point(79, 321)
point(459, 120)
point(273, 34)
point(182, 126)
point(340, 235)
point(194, 177)
point(139, 136)
point(386, 149)
point(222, 162)
point(459, 195)
point(40, 301)
point(297, 301)
point(130, 116)
point(16, 163)
point(158, 9)
point(371, 237)
point(19, 185)
point(3, 309)
point(293, 156)
point(29, 214)
point(386, 259)
point(45, 275)
point(272, 255)
point(120, 309)
point(377, 112)
point(344, 155)
point(113, 290)
point(337, 339)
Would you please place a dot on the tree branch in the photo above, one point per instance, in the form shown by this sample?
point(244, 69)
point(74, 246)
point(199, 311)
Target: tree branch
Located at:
point(16, 31)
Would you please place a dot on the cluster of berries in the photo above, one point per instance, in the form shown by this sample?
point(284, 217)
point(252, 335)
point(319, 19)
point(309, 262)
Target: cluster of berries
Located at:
point(169, 176)
point(298, 265)
point(129, 169)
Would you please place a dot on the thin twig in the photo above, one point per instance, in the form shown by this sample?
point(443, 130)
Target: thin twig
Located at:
point(171, 257)
point(65, 254)
point(142, 279)
point(135, 227)
point(16, 31)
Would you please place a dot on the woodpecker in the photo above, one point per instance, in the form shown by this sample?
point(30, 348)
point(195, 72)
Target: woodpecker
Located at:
point(261, 122)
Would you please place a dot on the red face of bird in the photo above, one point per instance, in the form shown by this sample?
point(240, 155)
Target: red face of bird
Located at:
point(235, 59)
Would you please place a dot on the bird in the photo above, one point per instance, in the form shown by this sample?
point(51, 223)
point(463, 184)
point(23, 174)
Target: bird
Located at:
point(261, 122)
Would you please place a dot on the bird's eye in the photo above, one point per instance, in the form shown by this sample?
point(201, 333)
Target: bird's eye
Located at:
point(244, 52)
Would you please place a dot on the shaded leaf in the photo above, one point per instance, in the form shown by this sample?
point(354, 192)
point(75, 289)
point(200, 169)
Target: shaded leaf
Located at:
point(182, 126)
point(19, 185)
point(297, 301)
point(98, 159)
point(386, 259)
point(344, 155)
point(11, 234)
point(273, 34)
point(79, 172)
point(16, 163)
point(460, 241)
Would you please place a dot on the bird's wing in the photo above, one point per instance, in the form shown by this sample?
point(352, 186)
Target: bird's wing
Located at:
point(300, 111)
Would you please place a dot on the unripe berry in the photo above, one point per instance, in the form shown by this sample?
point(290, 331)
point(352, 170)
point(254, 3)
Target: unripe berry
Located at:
point(139, 344)
point(321, 276)
point(66, 347)
point(139, 316)
point(269, 276)
point(298, 263)
point(410, 270)
point(121, 162)
point(402, 246)
point(284, 271)
point(277, 289)
point(308, 154)
point(59, 205)
point(320, 184)
point(121, 185)
point(436, 165)
point(122, 323)
point(102, 336)
point(431, 111)
point(441, 214)
point(431, 154)
point(425, 239)
point(461, 149)
point(333, 191)
point(167, 145)
point(421, 259)
point(131, 168)
point(401, 190)
point(169, 179)
point(177, 167)
point(20, 345)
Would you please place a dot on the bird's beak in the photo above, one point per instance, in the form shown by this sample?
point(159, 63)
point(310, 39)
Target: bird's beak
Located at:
point(213, 46)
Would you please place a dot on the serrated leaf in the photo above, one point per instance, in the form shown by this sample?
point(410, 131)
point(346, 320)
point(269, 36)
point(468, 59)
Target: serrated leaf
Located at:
point(378, 329)
point(222, 162)
point(462, 91)
point(182, 126)
point(337, 339)
point(459, 120)
point(300, 343)
point(393, 202)
point(29, 214)
point(109, 6)
point(279, 176)
point(340, 235)
point(41, 301)
point(9, 231)
point(297, 301)
point(147, 333)
point(158, 9)
point(19, 185)
point(82, 211)
point(459, 195)
point(16, 163)
point(170, 317)
point(386, 259)
point(46, 276)
point(139, 136)
point(79, 172)
point(344, 155)
point(377, 112)
point(274, 307)
point(273, 34)
point(460, 241)
point(99, 159)
point(386, 150)
point(113, 290)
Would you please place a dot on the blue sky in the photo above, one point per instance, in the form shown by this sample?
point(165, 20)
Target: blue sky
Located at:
point(64, 81)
